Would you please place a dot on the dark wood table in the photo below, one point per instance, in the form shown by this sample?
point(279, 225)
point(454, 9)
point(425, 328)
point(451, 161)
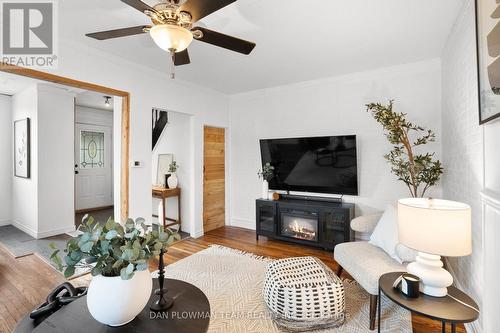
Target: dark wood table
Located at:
point(445, 309)
point(190, 314)
point(163, 194)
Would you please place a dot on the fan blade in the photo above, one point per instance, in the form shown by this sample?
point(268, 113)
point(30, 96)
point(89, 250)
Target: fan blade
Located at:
point(225, 41)
point(201, 8)
point(139, 5)
point(182, 58)
point(102, 35)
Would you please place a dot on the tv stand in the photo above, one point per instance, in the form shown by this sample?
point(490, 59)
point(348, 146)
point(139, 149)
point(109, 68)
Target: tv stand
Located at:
point(307, 221)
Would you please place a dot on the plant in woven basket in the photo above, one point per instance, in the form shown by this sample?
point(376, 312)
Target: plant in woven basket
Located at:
point(112, 249)
point(418, 171)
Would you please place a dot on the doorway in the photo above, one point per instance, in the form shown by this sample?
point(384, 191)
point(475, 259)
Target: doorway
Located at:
point(94, 158)
point(214, 178)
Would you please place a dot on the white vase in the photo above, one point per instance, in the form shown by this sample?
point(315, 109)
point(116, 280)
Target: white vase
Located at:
point(265, 189)
point(173, 181)
point(116, 302)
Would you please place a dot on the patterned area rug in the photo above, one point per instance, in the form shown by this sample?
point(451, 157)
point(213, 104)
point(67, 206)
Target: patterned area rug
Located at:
point(233, 282)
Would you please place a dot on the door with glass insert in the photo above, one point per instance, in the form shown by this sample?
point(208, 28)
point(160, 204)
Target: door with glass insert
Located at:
point(93, 166)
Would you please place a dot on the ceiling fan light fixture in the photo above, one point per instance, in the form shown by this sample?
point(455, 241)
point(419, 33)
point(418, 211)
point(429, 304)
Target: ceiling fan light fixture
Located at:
point(171, 37)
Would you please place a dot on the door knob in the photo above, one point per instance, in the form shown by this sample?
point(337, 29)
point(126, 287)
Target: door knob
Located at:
point(76, 172)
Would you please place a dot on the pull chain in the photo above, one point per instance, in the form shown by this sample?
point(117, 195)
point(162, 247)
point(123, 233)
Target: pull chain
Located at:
point(172, 69)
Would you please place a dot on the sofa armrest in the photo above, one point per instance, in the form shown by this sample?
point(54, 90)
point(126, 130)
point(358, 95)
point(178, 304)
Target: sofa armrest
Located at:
point(365, 223)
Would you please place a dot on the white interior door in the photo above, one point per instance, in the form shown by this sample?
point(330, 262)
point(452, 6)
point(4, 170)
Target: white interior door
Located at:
point(93, 166)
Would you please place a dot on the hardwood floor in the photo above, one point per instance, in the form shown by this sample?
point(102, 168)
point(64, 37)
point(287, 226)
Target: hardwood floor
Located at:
point(26, 281)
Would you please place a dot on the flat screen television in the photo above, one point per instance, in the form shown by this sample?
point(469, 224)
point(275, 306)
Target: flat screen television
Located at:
point(326, 164)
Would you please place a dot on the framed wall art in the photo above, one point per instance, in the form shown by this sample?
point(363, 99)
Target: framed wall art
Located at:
point(22, 149)
point(488, 58)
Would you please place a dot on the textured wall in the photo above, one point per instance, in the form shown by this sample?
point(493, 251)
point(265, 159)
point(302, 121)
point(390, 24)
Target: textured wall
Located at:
point(463, 141)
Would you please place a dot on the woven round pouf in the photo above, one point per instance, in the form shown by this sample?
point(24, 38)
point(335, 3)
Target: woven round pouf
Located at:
point(304, 294)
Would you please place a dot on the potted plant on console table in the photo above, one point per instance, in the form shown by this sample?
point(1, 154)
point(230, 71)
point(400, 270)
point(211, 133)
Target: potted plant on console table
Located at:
point(266, 174)
point(119, 254)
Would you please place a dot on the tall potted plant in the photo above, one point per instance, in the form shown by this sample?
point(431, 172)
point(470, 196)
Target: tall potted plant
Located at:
point(119, 255)
point(266, 174)
point(419, 171)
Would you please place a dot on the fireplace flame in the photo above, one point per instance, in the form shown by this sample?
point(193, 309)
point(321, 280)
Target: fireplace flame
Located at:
point(301, 231)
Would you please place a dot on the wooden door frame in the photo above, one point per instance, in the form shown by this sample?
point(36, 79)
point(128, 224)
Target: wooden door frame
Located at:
point(125, 119)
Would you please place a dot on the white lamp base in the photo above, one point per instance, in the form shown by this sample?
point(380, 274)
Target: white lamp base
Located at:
point(434, 278)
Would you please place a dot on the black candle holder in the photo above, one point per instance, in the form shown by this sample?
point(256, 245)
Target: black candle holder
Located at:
point(164, 303)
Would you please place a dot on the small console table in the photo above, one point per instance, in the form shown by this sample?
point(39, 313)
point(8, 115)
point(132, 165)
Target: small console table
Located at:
point(314, 222)
point(163, 194)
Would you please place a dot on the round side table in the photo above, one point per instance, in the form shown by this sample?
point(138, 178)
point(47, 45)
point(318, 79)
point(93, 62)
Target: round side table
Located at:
point(444, 309)
point(190, 314)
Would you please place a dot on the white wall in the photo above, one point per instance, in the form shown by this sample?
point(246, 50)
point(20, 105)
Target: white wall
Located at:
point(333, 106)
point(6, 160)
point(86, 115)
point(41, 205)
point(24, 191)
point(148, 89)
point(56, 148)
point(176, 140)
point(463, 151)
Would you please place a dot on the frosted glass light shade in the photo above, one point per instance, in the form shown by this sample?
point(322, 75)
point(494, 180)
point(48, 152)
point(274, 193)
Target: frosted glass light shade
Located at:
point(169, 36)
point(434, 226)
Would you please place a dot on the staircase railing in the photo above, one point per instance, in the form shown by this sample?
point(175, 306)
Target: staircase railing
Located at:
point(159, 121)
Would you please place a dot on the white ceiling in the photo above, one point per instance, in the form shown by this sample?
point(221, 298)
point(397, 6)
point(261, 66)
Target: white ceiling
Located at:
point(296, 40)
point(11, 84)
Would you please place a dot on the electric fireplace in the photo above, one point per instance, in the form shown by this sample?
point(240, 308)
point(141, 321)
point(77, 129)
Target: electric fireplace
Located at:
point(307, 222)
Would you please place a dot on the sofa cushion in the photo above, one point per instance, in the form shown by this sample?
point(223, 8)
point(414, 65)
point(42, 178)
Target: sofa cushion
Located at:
point(366, 263)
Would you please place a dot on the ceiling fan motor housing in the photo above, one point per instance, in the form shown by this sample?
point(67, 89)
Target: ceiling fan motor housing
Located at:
point(168, 13)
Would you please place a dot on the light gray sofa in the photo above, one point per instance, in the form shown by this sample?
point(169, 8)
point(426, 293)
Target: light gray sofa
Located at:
point(366, 262)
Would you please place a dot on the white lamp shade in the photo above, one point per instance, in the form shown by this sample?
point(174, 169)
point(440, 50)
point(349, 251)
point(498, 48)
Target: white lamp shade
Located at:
point(434, 226)
point(171, 37)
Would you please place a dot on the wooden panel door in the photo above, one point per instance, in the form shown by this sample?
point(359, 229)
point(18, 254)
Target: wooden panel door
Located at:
point(214, 178)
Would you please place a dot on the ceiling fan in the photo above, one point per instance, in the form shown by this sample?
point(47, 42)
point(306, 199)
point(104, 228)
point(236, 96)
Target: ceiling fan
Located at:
point(172, 27)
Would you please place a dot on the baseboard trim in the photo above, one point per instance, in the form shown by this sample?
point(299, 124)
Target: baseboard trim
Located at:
point(42, 234)
point(54, 232)
point(24, 228)
point(3, 223)
point(243, 223)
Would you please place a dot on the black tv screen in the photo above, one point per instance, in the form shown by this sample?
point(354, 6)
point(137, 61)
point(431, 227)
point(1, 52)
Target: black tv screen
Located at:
point(326, 164)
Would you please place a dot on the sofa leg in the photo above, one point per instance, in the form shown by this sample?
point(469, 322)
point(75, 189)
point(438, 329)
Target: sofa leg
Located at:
point(373, 310)
point(340, 269)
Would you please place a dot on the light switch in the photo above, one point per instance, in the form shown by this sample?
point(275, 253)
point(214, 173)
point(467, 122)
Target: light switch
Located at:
point(136, 164)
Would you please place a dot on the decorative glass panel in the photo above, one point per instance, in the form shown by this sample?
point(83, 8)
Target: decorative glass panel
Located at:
point(91, 150)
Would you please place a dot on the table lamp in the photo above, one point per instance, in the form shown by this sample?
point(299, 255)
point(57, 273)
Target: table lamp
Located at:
point(434, 228)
